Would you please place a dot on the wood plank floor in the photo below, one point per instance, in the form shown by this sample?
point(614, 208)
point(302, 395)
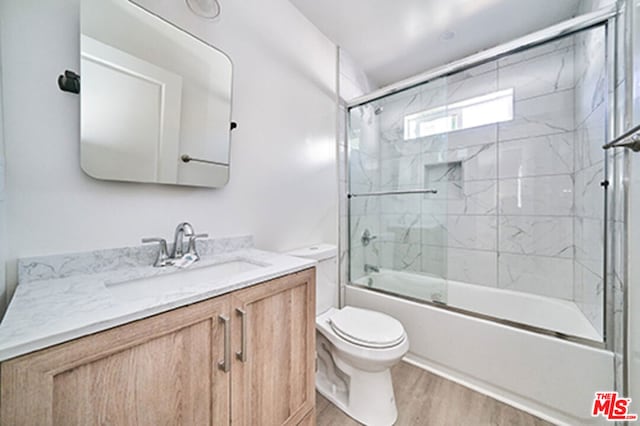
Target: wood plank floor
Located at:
point(426, 399)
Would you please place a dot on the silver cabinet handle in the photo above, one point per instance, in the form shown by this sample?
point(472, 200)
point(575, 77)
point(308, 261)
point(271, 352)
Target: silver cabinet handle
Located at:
point(225, 365)
point(242, 354)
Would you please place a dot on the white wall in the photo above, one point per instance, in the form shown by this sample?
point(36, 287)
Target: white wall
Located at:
point(282, 187)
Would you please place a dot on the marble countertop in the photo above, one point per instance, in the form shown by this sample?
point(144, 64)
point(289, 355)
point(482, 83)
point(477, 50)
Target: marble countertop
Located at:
point(45, 312)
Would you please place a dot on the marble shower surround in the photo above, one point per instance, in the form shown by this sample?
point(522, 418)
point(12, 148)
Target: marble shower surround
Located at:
point(589, 164)
point(509, 222)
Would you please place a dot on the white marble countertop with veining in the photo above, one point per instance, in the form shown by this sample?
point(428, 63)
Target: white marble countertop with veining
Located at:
point(47, 312)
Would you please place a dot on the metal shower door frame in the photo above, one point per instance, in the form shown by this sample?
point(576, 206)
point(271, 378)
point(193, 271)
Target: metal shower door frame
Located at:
point(606, 18)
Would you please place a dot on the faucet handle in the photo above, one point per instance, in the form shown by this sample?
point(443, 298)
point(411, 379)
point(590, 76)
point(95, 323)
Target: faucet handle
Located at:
point(153, 240)
point(192, 244)
point(163, 254)
point(367, 237)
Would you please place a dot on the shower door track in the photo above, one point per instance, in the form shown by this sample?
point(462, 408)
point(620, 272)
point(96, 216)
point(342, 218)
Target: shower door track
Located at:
point(552, 33)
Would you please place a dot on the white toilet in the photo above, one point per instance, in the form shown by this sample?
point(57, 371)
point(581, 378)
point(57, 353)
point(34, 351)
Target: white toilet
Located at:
point(356, 348)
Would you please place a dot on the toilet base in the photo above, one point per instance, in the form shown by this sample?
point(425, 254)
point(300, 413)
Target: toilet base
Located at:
point(365, 396)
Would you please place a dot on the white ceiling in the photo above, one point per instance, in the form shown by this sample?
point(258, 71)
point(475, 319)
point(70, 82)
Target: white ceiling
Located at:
point(393, 40)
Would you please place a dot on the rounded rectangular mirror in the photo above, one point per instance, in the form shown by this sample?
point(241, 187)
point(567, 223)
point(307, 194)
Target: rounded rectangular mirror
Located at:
point(155, 101)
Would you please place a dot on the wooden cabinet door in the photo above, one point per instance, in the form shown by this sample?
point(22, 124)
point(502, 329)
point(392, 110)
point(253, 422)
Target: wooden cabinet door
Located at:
point(274, 384)
point(157, 371)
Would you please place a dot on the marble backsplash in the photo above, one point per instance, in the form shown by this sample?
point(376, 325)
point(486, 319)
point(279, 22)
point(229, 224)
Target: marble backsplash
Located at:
point(108, 260)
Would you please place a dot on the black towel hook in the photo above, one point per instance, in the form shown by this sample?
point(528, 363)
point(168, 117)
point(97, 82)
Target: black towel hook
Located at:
point(69, 82)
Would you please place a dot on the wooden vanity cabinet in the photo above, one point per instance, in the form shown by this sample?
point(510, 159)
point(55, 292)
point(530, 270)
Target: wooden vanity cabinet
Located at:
point(168, 369)
point(273, 380)
point(156, 371)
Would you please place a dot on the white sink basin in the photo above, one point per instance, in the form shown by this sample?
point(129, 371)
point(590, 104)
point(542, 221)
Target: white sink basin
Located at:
point(182, 281)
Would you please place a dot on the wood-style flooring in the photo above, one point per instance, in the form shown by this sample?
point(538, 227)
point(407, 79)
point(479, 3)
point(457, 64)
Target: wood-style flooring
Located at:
point(426, 399)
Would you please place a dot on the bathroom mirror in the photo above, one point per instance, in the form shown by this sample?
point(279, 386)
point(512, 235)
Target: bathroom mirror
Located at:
point(155, 101)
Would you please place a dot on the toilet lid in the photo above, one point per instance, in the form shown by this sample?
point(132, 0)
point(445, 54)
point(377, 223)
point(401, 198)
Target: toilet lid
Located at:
point(367, 328)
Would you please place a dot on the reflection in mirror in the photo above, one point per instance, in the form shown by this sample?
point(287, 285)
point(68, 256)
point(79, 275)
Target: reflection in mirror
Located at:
point(152, 95)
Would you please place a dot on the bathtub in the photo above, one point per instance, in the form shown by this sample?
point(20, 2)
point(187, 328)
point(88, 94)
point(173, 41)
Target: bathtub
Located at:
point(548, 376)
point(539, 312)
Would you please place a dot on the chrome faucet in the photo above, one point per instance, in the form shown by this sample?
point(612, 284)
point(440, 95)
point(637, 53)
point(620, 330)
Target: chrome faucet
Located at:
point(370, 268)
point(183, 230)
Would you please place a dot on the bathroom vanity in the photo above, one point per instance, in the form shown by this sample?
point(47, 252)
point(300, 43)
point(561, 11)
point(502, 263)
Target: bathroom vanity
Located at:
point(239, 349)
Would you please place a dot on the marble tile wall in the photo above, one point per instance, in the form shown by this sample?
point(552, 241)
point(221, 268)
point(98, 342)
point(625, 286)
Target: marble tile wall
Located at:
point(364, 174)
point(535, 179)
point(519, 203)
point(588, 222)
point(503, 213)
point(443, 234)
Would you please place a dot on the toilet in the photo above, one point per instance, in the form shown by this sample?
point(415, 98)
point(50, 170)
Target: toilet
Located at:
point(356, 348)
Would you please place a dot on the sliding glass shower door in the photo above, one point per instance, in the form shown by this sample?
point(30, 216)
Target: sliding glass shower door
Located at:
point(399, 186)
point(482, 189)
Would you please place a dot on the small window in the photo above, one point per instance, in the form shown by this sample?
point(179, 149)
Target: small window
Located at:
point(486, 109)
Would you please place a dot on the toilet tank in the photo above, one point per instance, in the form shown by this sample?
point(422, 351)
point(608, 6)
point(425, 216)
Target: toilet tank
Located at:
point(326, 273)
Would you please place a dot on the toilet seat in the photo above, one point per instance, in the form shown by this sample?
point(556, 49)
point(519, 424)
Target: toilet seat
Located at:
point(367, 328)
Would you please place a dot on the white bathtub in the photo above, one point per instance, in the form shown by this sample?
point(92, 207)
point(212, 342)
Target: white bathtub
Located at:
point(545, 375)
point(546, 313)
